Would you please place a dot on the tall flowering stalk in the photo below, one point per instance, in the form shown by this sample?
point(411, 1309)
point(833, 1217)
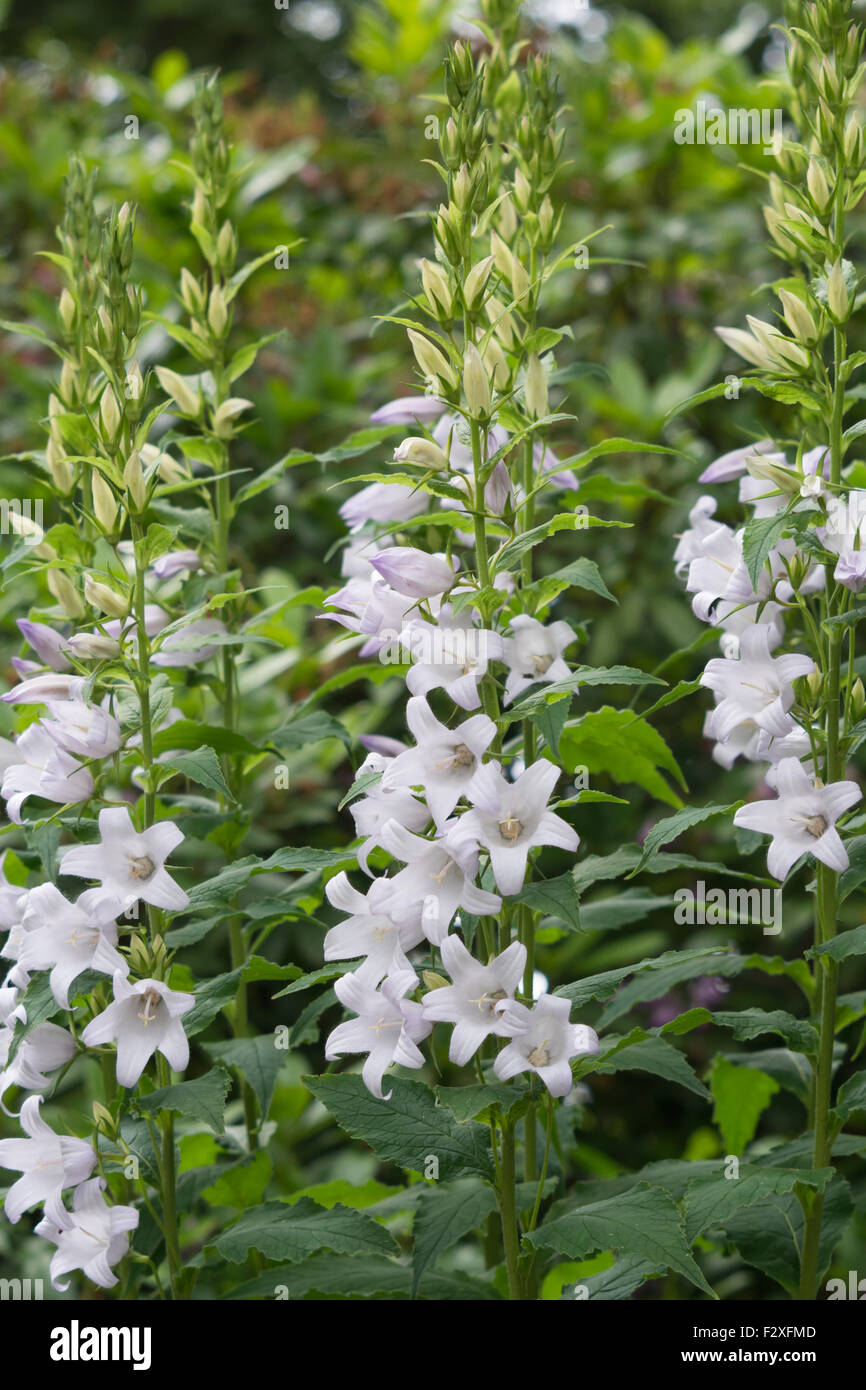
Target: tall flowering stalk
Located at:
point(783, 589)
point(128, 702)
point(463, 810)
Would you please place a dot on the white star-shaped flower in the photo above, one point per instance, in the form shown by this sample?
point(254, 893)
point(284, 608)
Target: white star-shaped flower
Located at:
point(443, 762)
point(802, 819)
point(474, 1002)
point(92, 1237)
point(144, 1018)
point(388, 1027)
point(129, 863)
point(545, 1042)
point(47, 1161)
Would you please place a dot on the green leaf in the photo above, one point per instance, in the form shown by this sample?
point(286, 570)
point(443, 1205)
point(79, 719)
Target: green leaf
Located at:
point(189, 735)
point(443, 1216)
point(855, 874)
point(242, 1185)
point(359, 1276)
point(623, 746)
point(847, 943)
point(759, 537)
point(711, 1201)
point(676, 965)
point(584, 574)
point(271, 475)
point(359, 443)
point(210, 997)
point(638, 1051)
point(407, 1129)
point(202, 1099)
point(615, 1284)
point(664, 831)
point(583, 675)
point(284, 1232)
point(769, 1235)
point(310, 728)
point(201, 765)
point(614, 446)
point(513, 551)
point(621, 909)
point(468, 1102)
point(259, 1060)
point(852, 1096)
point(557, 897)
point(741, 1096)
point(746, 1024)
point(645, 1223)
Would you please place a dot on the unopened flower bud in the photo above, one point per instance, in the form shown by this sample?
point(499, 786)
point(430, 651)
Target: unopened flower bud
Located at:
point(421, 452)
point(535, 388)
point(106, 599)
point(104, 503)
point(69, 384)
point(814, 683)
point(817, 185)
point(64, 591)
point(217, 312)
point(62, 472)
point(67, 310)
point(502, 321)
point(174, 385)
point(109, 417)
point(496, 365)
point(191, 293)
point(476, 284)
point(434, 981)
point(93, 646)
point(431, 360)
point(103, 1119)
point(437, 288)
point(798, 317)
point(226, 414)
point(522, 191)
point(519, 280)
point(227, 246)
point(858, 698)
point(133, 481)
point(837, 293)
point(476, 387)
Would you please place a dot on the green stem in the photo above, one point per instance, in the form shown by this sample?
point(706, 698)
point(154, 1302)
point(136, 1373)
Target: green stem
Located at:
point(508, 1212)
point(169, 1184)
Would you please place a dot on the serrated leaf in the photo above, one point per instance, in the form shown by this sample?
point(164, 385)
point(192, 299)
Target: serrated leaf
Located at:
point(443, 1216)
point(283, 1232)
point(664, 831)
point(557, 897)
point(711, 1201)
point(201, 765)
point(406, 1129)
point(645, 1223)
point(202, 1099)
point(741, 1096)
point(259, 1060)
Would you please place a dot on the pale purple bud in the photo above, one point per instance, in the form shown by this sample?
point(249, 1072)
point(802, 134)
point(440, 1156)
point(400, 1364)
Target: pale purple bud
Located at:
point(413, 572)
point(47, 644)
point(406, 410)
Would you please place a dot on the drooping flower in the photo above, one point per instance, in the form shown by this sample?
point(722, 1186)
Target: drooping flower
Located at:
point(44, 770)
point(439, 876)
point(49, 686)
point(383, 502)
point(48, 1163)
point(802, 819)
point(85, 730)
point(46, 643)
point(377, 927)
point(388, 1027)
point(474, 1002)
point(92, 1237)
point(545, 1042)
point(144, 1018)
point(511, 818)
point(175, 562)
point(381, 804)
point(128, 863)
point(44, 1050)
point(443, 762)
point(412, 572)
point(68, 938)
point(535, 653)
